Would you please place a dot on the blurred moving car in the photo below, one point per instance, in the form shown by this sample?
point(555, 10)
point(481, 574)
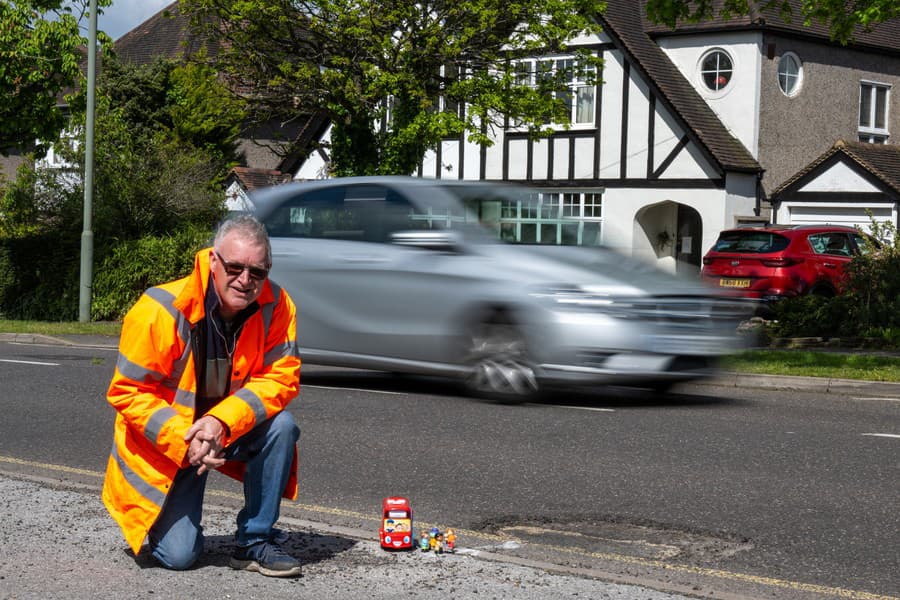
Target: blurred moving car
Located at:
point(401, 274)
point(783, 261)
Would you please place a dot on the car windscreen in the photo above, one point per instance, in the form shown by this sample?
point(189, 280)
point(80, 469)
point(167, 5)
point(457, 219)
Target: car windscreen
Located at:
point(751, 242)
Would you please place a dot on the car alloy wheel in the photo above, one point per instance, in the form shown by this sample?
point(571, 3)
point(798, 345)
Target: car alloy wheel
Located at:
point(500, 369)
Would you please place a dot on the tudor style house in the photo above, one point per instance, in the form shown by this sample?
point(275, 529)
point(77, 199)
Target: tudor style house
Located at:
point(691, 131)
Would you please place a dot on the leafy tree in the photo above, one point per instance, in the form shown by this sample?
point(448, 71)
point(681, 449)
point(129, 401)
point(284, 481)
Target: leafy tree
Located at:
point(40, 49)
point(158, 173)
point(375, 68)
point(843, 17)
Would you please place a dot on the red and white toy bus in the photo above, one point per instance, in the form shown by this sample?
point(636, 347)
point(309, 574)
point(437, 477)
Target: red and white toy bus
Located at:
point(396, 530)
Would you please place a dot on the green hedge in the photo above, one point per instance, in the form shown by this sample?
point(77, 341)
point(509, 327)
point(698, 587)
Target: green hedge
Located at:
point(40, 278)
point(40, 275)
point(869, 309)
point(135, 265)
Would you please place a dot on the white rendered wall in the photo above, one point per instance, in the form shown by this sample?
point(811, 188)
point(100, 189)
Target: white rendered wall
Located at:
point(738, 104)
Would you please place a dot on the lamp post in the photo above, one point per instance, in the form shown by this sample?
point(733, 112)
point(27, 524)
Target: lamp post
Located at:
point(87, 235)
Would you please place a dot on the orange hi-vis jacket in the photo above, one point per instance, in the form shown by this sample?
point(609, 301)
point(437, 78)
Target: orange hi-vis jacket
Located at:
point(154, 391)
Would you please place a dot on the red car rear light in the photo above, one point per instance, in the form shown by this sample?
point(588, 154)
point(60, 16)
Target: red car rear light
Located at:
point(707, 260)
point(781, 261)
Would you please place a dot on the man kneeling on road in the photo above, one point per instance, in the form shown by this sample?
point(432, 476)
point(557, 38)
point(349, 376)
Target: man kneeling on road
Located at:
point(207, 365)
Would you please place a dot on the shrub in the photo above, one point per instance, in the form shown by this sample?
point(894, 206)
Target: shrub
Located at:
point(869, 308)
point(135, 265)
point(809, 316)
point(40, 278)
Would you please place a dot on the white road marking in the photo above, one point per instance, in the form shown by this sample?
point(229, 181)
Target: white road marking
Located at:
point(29, 362)
point(885, 398)
point(887, 435)
point(593, 408)
point(346, 389)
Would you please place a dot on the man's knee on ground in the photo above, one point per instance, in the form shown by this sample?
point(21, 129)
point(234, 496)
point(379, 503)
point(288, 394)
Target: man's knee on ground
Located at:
point(178, 559)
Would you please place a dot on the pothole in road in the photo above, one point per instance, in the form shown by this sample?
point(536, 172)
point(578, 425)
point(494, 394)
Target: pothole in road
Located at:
point(651, 542)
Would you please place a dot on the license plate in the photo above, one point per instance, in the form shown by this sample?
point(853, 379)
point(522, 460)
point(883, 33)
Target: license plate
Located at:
point(734, 283)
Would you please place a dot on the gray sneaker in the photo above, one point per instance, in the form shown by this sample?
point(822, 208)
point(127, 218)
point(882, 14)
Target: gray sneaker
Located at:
point(266, 558)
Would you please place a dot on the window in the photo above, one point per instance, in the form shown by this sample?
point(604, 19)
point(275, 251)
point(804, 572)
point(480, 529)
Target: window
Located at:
point(566, 219)
point(835, 244)
point(873, 109)
point(579, 95)
point(716, 70)
point(790, 74)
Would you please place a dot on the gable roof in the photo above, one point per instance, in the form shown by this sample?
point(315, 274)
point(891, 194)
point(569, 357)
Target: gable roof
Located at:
point(167, 34)
point(624, 23)
point(883, 37)
point(880, 160)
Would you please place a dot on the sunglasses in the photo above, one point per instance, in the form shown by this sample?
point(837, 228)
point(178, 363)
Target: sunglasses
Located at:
point(234, 269)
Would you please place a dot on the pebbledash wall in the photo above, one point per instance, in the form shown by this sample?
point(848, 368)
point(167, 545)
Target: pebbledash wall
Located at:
point(800, 128)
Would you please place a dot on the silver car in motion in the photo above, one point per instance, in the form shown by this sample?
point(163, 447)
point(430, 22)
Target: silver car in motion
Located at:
point(407, 275)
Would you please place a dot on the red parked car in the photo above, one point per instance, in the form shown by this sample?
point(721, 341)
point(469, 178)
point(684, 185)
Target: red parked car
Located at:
point(781, 261)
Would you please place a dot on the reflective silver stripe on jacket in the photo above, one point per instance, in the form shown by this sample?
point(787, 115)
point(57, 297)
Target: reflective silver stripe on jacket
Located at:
point(280, 351)
point(288, 348)
point(255, 404)
point(166, 300)
point(141, 487)
point(136, 372)
point(269, 309)
point(156, 421)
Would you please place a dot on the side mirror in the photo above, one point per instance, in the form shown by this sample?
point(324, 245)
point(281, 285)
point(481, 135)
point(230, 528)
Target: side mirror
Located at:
point(444, 240)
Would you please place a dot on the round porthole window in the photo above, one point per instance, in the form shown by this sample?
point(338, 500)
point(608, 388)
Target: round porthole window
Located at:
point(716, 70)
point(790, 74)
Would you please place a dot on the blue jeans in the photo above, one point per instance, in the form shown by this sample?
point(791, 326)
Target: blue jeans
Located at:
point(176, 538)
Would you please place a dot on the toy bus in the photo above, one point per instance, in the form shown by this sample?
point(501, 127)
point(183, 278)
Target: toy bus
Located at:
point(396, 532)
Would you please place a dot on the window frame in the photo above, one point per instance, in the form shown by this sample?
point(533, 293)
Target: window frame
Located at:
point(870, 132)
point(576, 86)
point(798, 85)
point(702, 71)
point(553, 217)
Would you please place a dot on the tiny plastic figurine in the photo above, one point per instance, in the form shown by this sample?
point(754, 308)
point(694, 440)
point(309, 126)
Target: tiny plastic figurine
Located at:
point(425, 541)
point(450, 540)
point(439, 546)
point(396, 532)
point(432, 539)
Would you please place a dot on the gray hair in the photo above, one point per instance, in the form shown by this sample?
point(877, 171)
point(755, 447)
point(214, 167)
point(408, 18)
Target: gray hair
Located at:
point(248, 228)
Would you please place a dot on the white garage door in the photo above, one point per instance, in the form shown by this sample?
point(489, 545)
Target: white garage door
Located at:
point(806, 214)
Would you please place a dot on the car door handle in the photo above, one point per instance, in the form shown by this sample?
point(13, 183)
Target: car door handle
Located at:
point(830, 265)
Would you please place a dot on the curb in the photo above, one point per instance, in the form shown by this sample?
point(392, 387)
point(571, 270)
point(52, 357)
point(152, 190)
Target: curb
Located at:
point(825, 385)
point(35, 338)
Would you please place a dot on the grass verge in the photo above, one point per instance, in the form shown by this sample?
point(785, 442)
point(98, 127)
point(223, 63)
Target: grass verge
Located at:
point(806, 363)
point(61, 328)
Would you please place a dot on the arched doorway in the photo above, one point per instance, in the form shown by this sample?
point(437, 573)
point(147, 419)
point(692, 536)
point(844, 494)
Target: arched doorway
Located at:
point(669, 233)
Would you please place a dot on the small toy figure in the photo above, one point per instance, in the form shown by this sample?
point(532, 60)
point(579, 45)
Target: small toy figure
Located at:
point(432, 539)
point(439, 546)
point(451, 540)
point(425, 541)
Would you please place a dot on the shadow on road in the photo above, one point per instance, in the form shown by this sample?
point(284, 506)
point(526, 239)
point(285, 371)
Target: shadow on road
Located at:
point(308, 547)
point(599, 397)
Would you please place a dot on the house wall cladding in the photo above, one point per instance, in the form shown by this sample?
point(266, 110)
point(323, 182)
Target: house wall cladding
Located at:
point(796, 130)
